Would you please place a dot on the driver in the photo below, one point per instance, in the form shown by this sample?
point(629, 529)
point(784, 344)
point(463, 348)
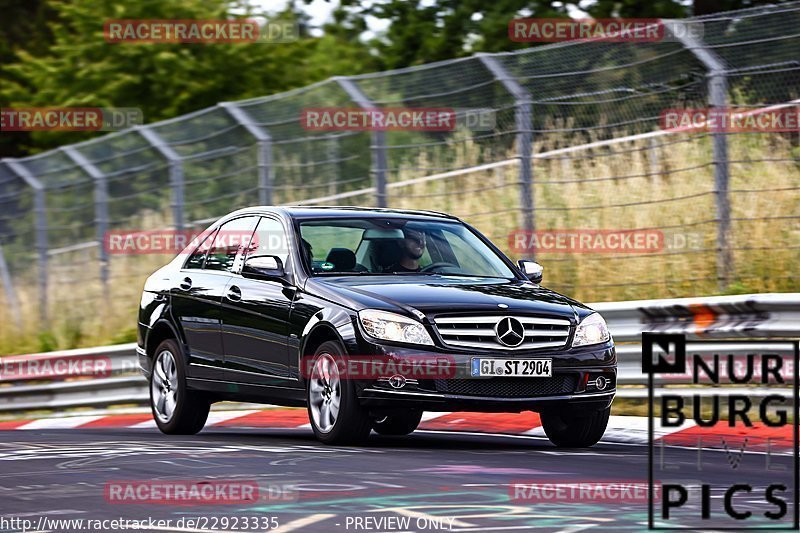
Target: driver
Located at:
point(412, 246)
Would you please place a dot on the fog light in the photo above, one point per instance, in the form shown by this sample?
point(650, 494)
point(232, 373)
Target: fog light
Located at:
point(599, 382)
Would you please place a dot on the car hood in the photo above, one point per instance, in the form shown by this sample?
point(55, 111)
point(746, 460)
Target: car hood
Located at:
point(439, 294)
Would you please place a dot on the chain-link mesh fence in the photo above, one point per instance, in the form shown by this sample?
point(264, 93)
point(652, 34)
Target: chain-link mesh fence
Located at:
point(575, 143)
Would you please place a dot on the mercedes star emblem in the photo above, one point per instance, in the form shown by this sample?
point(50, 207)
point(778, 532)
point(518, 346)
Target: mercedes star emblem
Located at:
point(397, 381)
point(510, 331)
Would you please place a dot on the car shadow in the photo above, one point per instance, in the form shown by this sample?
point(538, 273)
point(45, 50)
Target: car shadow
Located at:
point(419, 440)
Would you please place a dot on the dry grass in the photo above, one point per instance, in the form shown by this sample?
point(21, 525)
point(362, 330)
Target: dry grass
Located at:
point(623, 187)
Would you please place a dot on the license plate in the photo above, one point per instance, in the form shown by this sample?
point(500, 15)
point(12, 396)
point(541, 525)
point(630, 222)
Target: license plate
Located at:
point(525, 368)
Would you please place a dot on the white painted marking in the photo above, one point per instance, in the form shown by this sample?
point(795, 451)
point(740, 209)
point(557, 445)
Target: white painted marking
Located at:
point(59, 423)
point(223, 416)
point(535, 432)
point(147, 424)
point(626, 429)
point(388, 485)
point(634, 429)
point(428, 415)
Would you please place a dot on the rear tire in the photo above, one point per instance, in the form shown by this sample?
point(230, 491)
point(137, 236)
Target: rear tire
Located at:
point(398, 424)
point(575, 431)
point(176, 409)
point(334, 411)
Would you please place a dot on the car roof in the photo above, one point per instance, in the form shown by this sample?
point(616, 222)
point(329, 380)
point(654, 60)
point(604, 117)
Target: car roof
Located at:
point(301, 212)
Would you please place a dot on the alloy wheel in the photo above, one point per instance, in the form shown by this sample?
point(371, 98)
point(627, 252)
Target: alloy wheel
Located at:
point(165, 386)
point(325, 392)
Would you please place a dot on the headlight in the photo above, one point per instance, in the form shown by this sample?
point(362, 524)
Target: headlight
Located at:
point(393, 327)
point(592, 330)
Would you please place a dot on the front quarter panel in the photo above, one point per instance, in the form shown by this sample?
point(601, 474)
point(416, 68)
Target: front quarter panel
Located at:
point(313, 318)
point(153, 309)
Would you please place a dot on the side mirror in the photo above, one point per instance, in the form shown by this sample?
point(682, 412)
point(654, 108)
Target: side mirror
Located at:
point(533, 270)
point(263, 267)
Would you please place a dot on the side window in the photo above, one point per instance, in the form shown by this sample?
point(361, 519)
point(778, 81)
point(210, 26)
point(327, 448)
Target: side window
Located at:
point(331, 244)
point(269, 239)
point(231, 236)
point(198, 257)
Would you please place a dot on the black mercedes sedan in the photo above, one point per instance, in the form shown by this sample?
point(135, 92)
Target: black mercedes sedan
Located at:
point(368, 317)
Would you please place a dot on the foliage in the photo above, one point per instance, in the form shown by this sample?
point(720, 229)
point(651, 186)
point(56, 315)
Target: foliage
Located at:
point(52, 52)
point(80, 68)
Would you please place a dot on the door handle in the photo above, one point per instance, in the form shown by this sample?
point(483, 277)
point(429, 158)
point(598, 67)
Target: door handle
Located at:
point(234, 293)
point(186, 284)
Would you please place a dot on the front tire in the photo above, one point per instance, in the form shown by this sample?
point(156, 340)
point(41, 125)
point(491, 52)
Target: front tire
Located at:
point(176, 409)
point(575, 431)
point(333, 409)
point(397, 424)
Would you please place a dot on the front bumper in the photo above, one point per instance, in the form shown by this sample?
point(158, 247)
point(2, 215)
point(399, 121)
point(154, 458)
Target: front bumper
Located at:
point(571, 389)
point(385, 400)
point(143, 361)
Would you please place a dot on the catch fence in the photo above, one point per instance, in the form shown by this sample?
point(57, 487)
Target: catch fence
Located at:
point(575, 143)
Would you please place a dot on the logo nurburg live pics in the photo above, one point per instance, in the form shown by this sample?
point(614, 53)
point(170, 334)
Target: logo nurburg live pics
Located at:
point(727, 437)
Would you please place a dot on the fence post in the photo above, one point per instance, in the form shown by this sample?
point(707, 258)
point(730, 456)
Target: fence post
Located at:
point(101, 218)
point(717, 98)
point(379, 159)
point(266, 170)
point(40, 210)
point(175, 172)
point(523, 118)
point(13, 303)
point(332, 154)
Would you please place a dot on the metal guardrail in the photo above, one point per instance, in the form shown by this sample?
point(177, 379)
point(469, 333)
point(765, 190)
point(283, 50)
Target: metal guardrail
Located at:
point(114, 378)
point(46, 381)
point(750, 316)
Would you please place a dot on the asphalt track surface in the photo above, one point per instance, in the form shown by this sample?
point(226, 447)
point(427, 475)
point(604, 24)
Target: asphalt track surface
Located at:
point(434, 481)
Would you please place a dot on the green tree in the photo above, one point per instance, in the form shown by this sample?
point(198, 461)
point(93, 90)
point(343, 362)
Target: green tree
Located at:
point(80, 68)
point(23, 25)
point(421, 31)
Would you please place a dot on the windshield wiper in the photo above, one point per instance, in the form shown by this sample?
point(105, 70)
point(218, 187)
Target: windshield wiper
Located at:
point(353, 273)
point(472, 276)
point(404, 273)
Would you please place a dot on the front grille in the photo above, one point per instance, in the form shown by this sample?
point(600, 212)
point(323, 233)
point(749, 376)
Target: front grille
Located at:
point(509, 387)
point(479, 332)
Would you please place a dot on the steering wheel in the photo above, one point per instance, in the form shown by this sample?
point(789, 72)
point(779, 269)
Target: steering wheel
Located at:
point(441, 264)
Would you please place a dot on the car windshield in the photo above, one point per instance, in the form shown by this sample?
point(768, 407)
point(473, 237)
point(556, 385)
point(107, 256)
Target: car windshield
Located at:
point(394, 246)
